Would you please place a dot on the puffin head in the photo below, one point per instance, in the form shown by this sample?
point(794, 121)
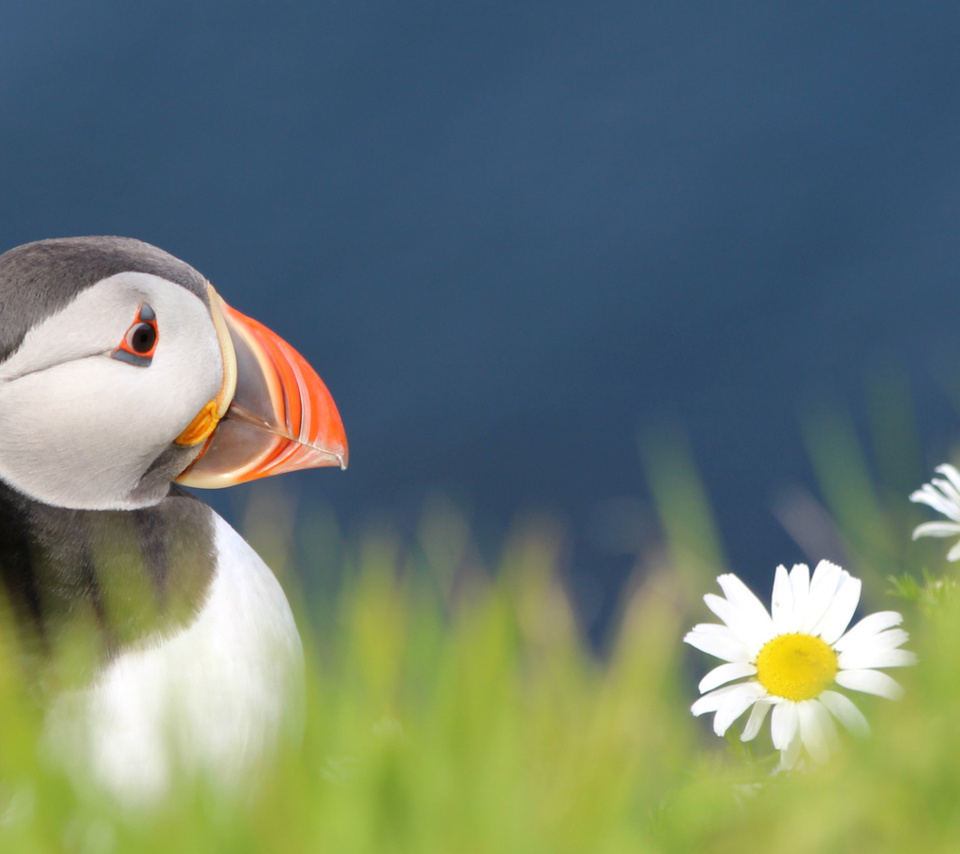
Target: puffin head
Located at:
point(122, 370)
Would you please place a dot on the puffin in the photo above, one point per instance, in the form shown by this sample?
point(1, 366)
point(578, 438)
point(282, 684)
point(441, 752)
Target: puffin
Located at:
point(156, 641)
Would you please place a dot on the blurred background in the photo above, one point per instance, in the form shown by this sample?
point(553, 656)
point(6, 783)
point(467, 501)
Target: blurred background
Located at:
point(523, 242)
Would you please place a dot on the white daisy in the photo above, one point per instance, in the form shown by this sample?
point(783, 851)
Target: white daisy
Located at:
point(789, 661)
point(943, 495)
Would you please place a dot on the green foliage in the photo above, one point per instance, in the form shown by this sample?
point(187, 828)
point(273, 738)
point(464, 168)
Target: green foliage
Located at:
point(452, 709)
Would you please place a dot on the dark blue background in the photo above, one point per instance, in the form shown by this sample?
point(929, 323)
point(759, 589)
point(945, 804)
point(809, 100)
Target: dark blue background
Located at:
point(510, 235)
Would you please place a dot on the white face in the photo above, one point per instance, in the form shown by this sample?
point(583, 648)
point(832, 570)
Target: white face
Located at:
point(80, 428)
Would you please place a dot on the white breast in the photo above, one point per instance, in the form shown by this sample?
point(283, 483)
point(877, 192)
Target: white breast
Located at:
point(213, 699)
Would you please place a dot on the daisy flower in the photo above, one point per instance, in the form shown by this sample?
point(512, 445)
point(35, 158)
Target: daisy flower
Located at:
point(943, 495)
point(790, 661)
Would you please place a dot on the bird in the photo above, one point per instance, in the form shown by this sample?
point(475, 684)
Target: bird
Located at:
point(156, 639)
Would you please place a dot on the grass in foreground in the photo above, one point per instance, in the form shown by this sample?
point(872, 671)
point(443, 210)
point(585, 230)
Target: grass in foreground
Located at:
point(452, 712)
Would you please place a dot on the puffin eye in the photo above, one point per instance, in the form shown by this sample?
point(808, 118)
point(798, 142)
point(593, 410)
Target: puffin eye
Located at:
point(140, 340)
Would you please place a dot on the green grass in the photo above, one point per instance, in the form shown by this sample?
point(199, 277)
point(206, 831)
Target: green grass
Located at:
point(455, 710)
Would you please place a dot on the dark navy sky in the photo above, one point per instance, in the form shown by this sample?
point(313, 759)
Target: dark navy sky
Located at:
point(509, 235)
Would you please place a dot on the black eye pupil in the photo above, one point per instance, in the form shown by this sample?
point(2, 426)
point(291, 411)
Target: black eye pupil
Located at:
point(142, 338)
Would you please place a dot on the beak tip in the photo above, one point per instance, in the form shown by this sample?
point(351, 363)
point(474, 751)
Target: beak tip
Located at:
point(342, 457)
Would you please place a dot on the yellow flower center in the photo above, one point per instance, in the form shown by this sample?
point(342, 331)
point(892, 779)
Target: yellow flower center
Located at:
point(796, 667)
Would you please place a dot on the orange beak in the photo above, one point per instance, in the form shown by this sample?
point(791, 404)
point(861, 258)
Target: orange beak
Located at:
point(279, 418)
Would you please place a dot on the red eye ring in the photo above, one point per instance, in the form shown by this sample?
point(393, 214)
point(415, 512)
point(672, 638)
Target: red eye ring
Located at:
point(140, 340)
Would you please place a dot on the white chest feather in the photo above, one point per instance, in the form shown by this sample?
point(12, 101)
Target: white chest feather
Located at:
point(212, 699)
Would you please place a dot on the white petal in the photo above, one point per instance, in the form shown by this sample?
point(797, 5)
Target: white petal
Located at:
point(720, 644)
point(817, 731)
point(862, 659)
point(937, 529)
point(735, 704)
point(714, 629)
point(950, 487)
point(950, 495)
point(840, 611)
point(754, 616)
point(712, 701)
point(827, 578)
point(887, 639)
point(791, 753)
point(800, 583)
point(800, 579)
point(870, 682)
point(928, 495)
point(844, 710)
point(782, 601)
point(783, 724)
point(725, 673)
point(950, 473)
point(954, 553)
point(757, 716)
point(869, 626)
point(741, 624)
point(723, 608)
